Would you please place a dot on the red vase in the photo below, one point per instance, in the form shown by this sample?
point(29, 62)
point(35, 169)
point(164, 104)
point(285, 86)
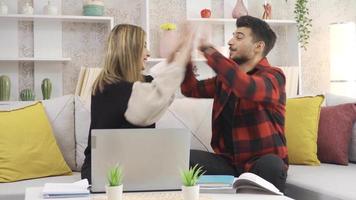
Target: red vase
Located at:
point(239, 9)
point(167, 43)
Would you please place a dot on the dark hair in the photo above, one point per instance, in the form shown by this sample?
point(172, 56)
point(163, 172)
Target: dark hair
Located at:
point(261, 31)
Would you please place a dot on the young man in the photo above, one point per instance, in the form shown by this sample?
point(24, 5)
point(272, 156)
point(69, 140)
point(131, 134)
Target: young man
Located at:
point(249, 106)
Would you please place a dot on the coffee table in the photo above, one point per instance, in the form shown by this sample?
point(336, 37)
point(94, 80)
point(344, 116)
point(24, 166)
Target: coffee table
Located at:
point(35, 193)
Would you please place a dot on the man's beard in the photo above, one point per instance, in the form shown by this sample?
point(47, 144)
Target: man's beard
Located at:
point(240, 60)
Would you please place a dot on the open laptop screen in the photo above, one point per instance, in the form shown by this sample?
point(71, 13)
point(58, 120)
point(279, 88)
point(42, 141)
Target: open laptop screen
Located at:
point(151, 158)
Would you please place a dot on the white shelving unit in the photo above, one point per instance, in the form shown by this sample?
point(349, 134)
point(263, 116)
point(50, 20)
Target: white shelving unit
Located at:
point(155, 60)
point(35, 59)
point(47, 36)
point(65, 18)
point(285, 54)
point(227, 20)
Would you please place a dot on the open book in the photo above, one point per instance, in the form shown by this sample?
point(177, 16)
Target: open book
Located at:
point(246, 182)
point(251, 181)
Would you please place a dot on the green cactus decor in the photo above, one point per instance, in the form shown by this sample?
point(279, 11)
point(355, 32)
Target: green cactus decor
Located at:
point(46, 88)
point(5, 85)
point(27, 95)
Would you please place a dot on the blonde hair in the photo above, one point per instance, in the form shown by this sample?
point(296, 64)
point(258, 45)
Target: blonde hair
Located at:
point(123, 60)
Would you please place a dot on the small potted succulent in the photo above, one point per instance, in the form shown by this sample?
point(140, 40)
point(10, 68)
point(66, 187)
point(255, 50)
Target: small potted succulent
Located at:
point(190, 177)
point(114, 188)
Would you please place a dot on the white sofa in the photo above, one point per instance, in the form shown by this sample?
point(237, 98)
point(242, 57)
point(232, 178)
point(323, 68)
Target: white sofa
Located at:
point(70, 119)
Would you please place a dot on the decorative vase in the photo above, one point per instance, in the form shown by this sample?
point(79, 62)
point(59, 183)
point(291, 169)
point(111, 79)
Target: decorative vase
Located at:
point(27, 9)
point(46, 88)
point(239, 9)
point(50, 9)
point(3, 8)
point(5, 86)
point(114, 192)
point(267, 14)
point(167, 43)
point(93, 8)
point(27, 95)
point(190, 192)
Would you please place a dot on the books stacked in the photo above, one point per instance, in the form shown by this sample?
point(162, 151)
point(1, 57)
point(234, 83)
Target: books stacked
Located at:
point(216, 181)
point(66, 190)
point(217, 184)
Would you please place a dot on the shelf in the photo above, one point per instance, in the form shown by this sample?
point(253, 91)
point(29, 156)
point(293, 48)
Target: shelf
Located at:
point(224, 21)
point(36, 59)
point(154, 60)
point(68, 18)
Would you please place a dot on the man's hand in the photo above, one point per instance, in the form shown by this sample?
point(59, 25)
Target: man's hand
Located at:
point(203, 41)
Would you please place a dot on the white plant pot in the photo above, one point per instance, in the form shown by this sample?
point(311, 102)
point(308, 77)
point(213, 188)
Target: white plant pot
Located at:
point(3, 9)
point(114, 192)
point(27, 9)
point(49, 9)
point(190, 192)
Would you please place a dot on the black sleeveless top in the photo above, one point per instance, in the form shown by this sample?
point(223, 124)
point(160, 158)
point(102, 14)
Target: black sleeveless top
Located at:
point(107, 112)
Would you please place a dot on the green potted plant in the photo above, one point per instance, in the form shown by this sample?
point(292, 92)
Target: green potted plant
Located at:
point(46, 88)
point(301, 15)
point(114, 188)
point(5, 87)
point(190, 177)
point(27, 95)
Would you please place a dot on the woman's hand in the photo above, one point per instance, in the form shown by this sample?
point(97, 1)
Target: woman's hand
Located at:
point(185, 44)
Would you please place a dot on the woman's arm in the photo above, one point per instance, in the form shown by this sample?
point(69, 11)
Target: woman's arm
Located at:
point(149, 101)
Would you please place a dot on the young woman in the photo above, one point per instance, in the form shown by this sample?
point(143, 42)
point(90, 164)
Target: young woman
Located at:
point(122, 97)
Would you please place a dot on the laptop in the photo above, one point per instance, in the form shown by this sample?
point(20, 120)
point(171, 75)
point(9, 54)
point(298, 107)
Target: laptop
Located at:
point(151, 158)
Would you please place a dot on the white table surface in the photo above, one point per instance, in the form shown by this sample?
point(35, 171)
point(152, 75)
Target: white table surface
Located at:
point(35, 193)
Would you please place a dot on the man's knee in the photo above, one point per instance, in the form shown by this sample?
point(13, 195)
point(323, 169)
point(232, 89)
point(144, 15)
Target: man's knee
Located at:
point(270, 163)
point(271, 168)
point(195, 157)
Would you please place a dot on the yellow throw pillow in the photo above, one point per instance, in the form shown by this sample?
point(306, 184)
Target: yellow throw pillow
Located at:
point(28, 148)
point(302, 121)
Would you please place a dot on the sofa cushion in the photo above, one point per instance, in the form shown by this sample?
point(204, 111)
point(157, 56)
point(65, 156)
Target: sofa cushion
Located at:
point(330, 180)
point(60, 112)
point(82, 124)
point(16, 190)
point(28, 147)
point(194, 115)
point(335, 128)
point(301, 129)
point(189, 113)
point(332, 100)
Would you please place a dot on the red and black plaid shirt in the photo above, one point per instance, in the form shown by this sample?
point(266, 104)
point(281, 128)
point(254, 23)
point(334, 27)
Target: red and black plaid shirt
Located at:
point(255, 102)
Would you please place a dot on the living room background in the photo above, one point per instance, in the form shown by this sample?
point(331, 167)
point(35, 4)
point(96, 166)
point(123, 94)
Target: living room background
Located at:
point(85, 43)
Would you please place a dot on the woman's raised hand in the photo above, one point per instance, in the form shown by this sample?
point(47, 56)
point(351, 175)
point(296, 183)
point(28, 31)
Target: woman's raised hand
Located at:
point(185, 44)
